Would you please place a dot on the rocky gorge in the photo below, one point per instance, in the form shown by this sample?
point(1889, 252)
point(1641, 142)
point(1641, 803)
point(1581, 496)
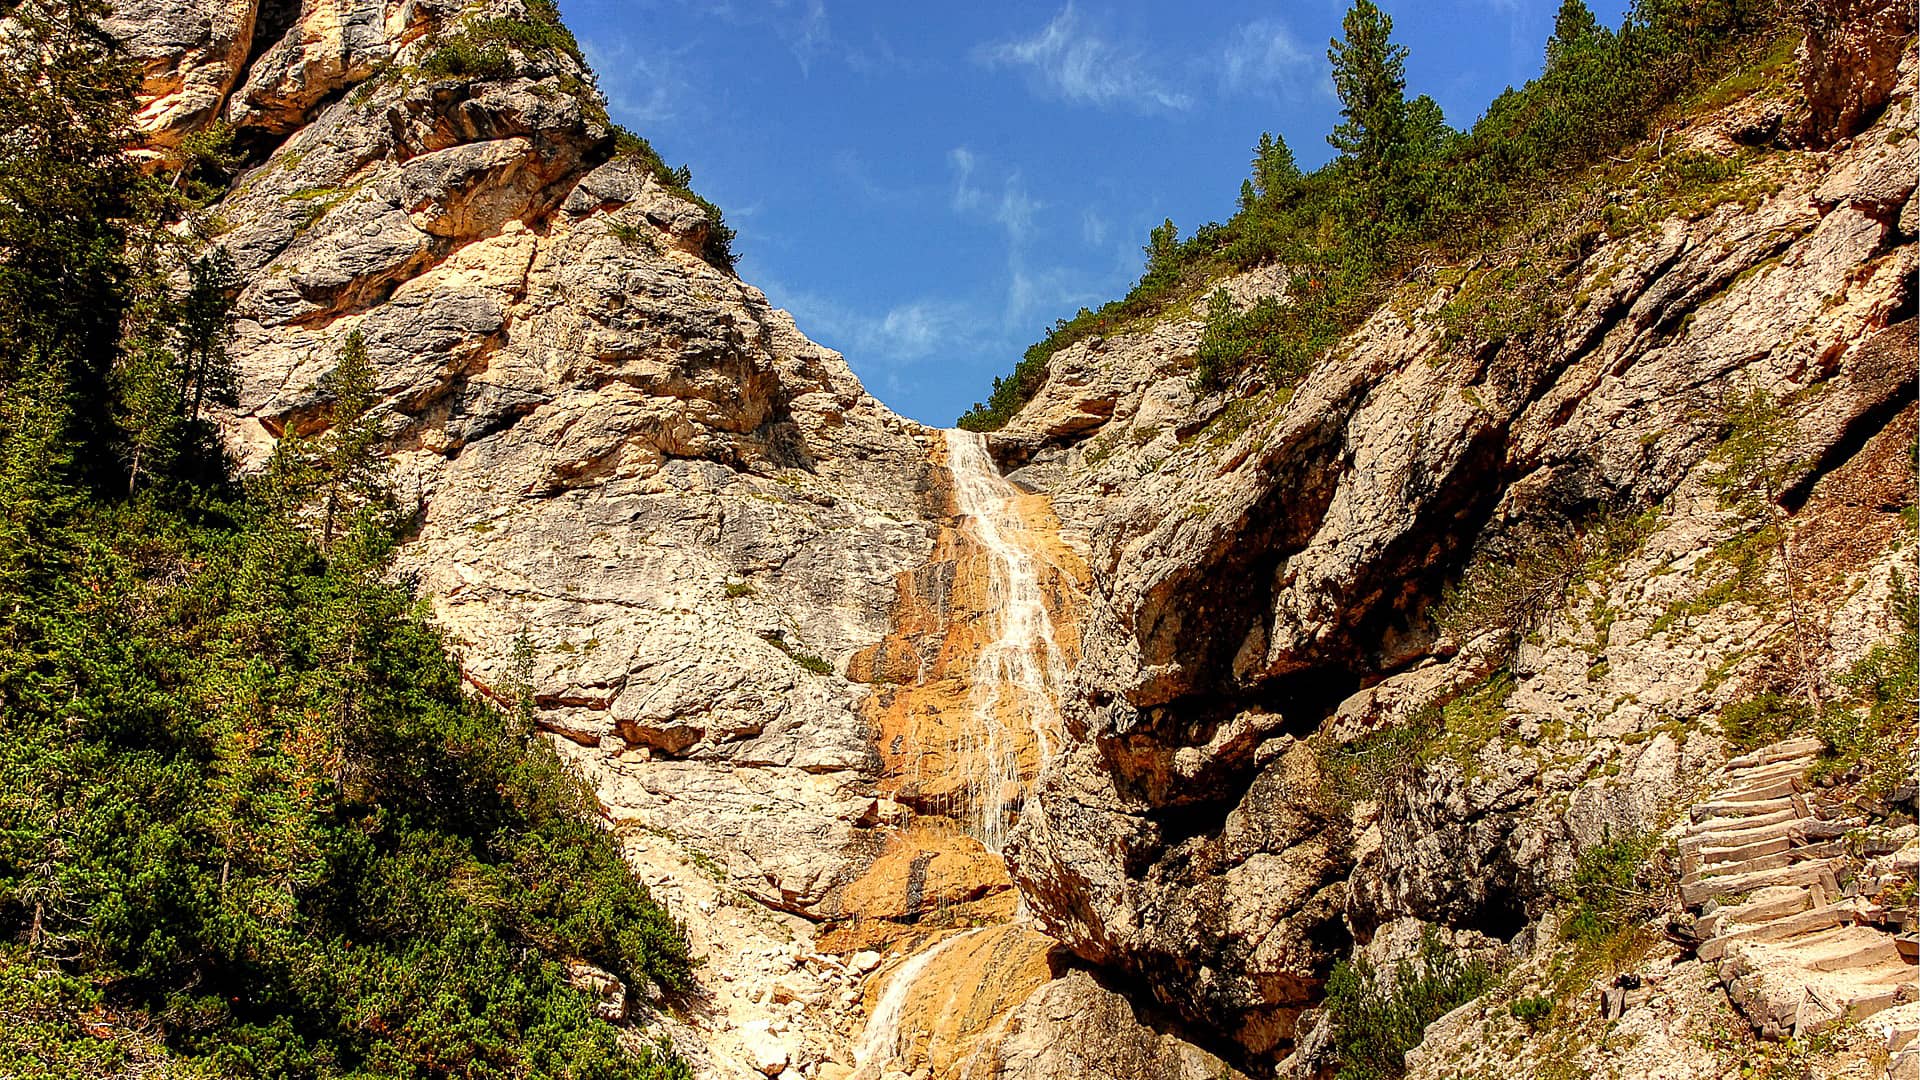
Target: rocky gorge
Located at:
point(1069, 750)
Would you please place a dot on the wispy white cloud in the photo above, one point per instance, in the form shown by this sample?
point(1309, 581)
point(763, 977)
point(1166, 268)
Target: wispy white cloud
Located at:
point(1078, 63)
point(1033, 294)
point(803, 26)
point(808, 33)
point(1010, 206)
point(1264, 57)
point(1093, 227)
point(645, 89)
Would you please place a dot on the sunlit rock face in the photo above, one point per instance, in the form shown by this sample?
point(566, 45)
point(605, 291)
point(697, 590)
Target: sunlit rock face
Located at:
point(644, 495)
point(1265, 563)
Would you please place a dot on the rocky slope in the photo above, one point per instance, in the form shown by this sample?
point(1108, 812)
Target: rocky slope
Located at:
point(1266, 563)
point(770, 621)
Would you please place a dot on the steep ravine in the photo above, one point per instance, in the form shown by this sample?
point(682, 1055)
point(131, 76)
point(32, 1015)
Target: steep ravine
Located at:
point(825, 667)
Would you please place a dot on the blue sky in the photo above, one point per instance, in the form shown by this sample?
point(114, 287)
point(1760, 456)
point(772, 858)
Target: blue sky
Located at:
point(928, 186)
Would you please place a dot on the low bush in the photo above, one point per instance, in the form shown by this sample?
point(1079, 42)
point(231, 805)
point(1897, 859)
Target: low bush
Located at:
point(717, 248)
point(1869, 731)
point(484, 48)
point(1616, 885)
point(1534, 1012)
point(1764, 718)
point(1376, 1019)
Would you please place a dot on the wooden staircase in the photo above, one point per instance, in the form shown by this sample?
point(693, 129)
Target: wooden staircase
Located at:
point(1765, 875)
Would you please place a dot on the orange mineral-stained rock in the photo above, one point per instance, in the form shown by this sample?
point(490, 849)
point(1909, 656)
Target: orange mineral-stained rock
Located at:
point(956, 737)
point(944, 1008)
point(930, 873)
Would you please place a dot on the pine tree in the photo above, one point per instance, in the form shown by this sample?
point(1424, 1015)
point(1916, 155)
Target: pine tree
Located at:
point(1369, 74)
point(67, 195)
point(175, 365)
point(1573, 27)
point(1274, 169)
point(1163, 251)
point(333, 482)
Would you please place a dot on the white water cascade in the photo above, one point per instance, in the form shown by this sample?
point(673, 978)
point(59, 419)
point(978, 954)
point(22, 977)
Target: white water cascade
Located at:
point(1020, 668)
point(880, 1042)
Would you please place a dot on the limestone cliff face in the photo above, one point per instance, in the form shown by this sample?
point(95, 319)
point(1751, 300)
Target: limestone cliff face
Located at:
point(1265, 563)
point(624, 456)
point(645, 494)
point(753, 609)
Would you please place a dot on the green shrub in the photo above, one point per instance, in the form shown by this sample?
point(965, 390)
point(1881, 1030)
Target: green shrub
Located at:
point(1868, 732)
point(807, 661)
point(484, 48)
point(1376, 1020)
point(717, 248)
point(1616, 885)
point(465, 57)
point(1534, 1012)
point(1763, 719)
point(1455, 731)
point(1511, 586)
point(1278, 335)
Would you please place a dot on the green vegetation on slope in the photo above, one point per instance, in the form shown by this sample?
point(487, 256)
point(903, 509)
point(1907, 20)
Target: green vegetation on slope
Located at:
point(250, 823)
point(717, 248)
point(1376, 1017)
point(1405, 188)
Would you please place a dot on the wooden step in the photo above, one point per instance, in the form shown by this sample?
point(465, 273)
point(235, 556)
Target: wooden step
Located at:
point(1784, 828)
point(1780, 929)
point(1793, 772)
point(1844, 949)
point(1806, 746)
point(1715, 856)
point(1820, 871)
point(1745, 866)
point(1758, 791)
point(1787, 857)
point(1783, 767)
point(1742, 808)
point(1765, 904)
point(1705, 826)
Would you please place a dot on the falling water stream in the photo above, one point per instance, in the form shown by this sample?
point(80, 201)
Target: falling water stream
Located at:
point(1012, 702)
point(880, 1041)
point(1020, 668)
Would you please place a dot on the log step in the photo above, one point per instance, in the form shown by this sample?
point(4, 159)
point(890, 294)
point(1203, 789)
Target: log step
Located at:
point(1786, 828)
point(1805, 746)
point(1780, 929)
point(1742, 808)
point(1704, 826)
point(1713, 888)
point(1846, 948)
point(1764, 905)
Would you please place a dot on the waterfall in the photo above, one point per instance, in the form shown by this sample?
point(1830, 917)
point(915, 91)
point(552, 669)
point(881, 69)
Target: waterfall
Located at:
point(1020, 668)
point(880, 1042)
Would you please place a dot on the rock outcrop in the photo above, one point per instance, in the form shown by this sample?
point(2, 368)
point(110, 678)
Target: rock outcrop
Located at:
point(1266, 564)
